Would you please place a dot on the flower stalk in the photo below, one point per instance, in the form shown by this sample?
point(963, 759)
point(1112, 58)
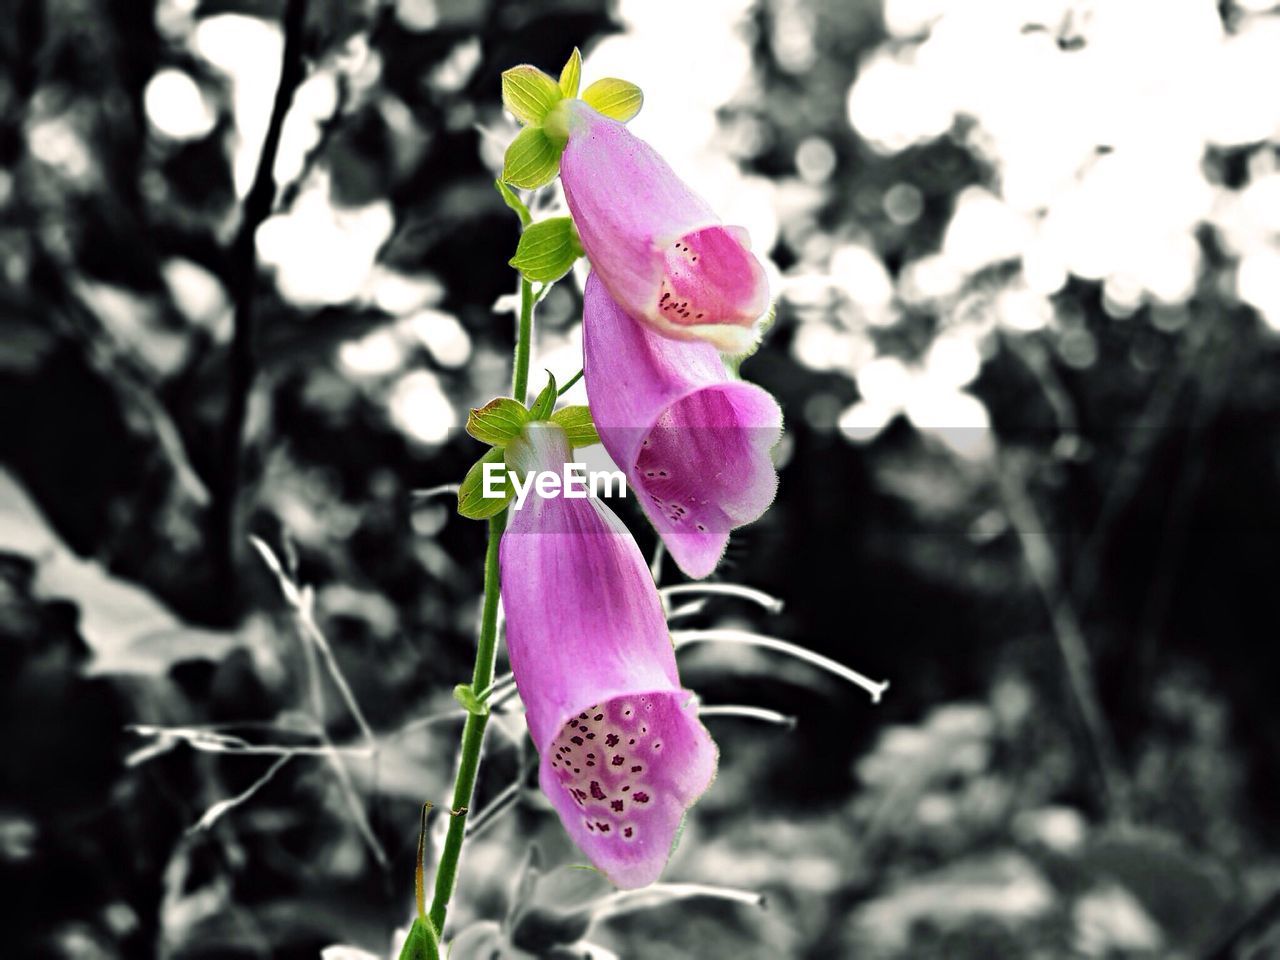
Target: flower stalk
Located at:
point(486, 653)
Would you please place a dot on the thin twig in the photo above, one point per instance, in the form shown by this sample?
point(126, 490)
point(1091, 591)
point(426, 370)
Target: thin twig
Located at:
point(215, 812)
point(450, 489)
point(750, 713)
point(656, 894)
point(1043, 566)
point(682, 638)
point(1213, 380)
point(208, 742)
point(770, 603)
point(243, 365)
point(307, 621)
point(496, 807)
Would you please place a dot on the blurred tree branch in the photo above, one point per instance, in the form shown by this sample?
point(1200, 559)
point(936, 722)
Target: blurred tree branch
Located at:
point(224, 514)
point(1042, 564)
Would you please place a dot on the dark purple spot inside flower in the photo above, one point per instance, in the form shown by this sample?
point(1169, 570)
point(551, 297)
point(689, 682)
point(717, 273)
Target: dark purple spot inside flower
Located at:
point(596, 792)
point(637, 768)
point(611, 740)
point(640, 797)
point(619, 760)
point(616, 805)
point(577, 740)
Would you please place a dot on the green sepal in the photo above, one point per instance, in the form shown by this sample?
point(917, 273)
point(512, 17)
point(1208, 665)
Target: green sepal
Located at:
point(615, 98)
point(472, 502)
point(514, 203)
point(466, 696)
point(546, 400)
point(497, 421)
point(571, 75)
point(547, 250)
point(734, 363)
point(422, 942)
point(532, 160)
point(577, 425)
point(529, 94)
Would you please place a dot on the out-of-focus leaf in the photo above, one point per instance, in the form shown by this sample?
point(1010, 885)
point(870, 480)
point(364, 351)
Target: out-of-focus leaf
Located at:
point(1005, 889)
point(1187, 894)
point(480, 941)
point(559, 912)
point(128, 630)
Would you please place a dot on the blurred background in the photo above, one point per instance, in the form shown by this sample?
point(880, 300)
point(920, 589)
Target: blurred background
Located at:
point(1027, 261)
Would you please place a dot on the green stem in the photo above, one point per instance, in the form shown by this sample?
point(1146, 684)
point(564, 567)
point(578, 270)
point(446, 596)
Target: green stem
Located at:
point(524, 337)
point(472, 732)
point(486, 653)
point(574, 379)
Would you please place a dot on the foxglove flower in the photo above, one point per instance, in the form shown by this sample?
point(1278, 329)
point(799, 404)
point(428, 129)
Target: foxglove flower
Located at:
point(661, 252)
point(623, 755)
point(694, 443)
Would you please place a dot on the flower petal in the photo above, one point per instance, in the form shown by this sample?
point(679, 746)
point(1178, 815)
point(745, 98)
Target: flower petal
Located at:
point(622, 772)
point(694, 443)
point(622, 753)
point(658, 248)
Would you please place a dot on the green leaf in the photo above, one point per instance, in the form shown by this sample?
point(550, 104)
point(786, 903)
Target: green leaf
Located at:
point(472, 503)
point(614, 98)
point(466, 696)
point(514, 202)
point(528, 93)
point(422, 942)
point(547, 250)
point(577, 425)
point(571, 75)
point(532, 160)
point(497, 421)
point(546, 400)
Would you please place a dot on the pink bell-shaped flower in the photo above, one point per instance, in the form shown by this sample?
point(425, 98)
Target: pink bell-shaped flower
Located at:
point(661, 252)
point(623, 755)
point(694, 442)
